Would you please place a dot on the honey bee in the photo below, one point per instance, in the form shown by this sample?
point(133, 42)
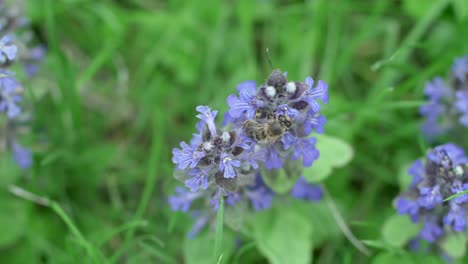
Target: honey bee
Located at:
point(268, 132)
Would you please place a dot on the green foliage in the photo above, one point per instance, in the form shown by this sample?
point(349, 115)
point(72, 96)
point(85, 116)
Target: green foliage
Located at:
point(405, 258)
point(399, 229)
point(334, 153)
point(283, 237)
point(282, 180)
point(285, 234)
point(201, 248)
point(13, 219)
point(454, 245)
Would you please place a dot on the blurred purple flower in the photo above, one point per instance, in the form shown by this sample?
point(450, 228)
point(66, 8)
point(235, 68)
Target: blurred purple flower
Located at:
point(306, 191)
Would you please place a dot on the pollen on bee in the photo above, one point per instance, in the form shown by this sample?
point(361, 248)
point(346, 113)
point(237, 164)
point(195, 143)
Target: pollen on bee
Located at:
point(291, 87)
point(270, 91)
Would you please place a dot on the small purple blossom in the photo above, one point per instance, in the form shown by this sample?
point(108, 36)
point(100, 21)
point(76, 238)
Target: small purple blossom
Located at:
point(431, 231)
point(461, 104)
point(286, 110)
point(409, 207)
point(430, 197)
point(305, 148)
point(457, 187)
point(314, 122)
point(22, 156)
point(7, 49)
point(200, 222)
point(460, 68)
point(227, 165)
point(315, 93)
point(259, 195)
point(446, 110)
point(456, 217)
point(246, 102)
point(448, 152)
point(207, 116)
point(182, 200)
point(273, 159)
point(306, 191)
point(187, 156)
point(417, 171)
point(9, 96)
point(436, 89)
point(199, 179)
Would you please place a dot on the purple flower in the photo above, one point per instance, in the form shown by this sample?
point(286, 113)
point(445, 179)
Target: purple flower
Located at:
point(227, 165)
point(183, 199)
point(456, 217)
point(462, 106)
point(286, 110)
point(417, 171)
point(436, 89)
point(259, 195)
point(246, 102)
point(7, 49)
point(430, 197)
point(315, 122)
point(305, 191)
point(305, 148)
point(449, 151)
point(199, 178)
point(207, 117)
point(22, 156)
point(410, 207)
point(233, 198)
point(187, 156)
point(9, 97)
point(273, 159)
point(457, 187)
point(314, 93)
point(200, 222)
point(431, 231)
point(414, 244)
point(460, 68)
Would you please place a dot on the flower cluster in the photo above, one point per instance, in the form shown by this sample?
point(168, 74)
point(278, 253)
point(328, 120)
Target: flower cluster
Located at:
point(443, 174)
point(447, 106)
point(14, 41)
point(267, 128)
point(277, 97)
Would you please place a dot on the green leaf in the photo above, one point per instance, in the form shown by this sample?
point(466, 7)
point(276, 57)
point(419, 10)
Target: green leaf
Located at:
point(282, 180)
point(334, 153)
point(455, 195)
point(283, 236)
point(406, 258)
point(201, 248)
point(219, 228)
point(399, 229)
point(461, 9)
point(13, 219)
point(318, 215)
point(10, 170)
point(454, 245)
point(418, 8)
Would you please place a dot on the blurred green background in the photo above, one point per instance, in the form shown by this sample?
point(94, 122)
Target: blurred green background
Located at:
point(118, 90)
